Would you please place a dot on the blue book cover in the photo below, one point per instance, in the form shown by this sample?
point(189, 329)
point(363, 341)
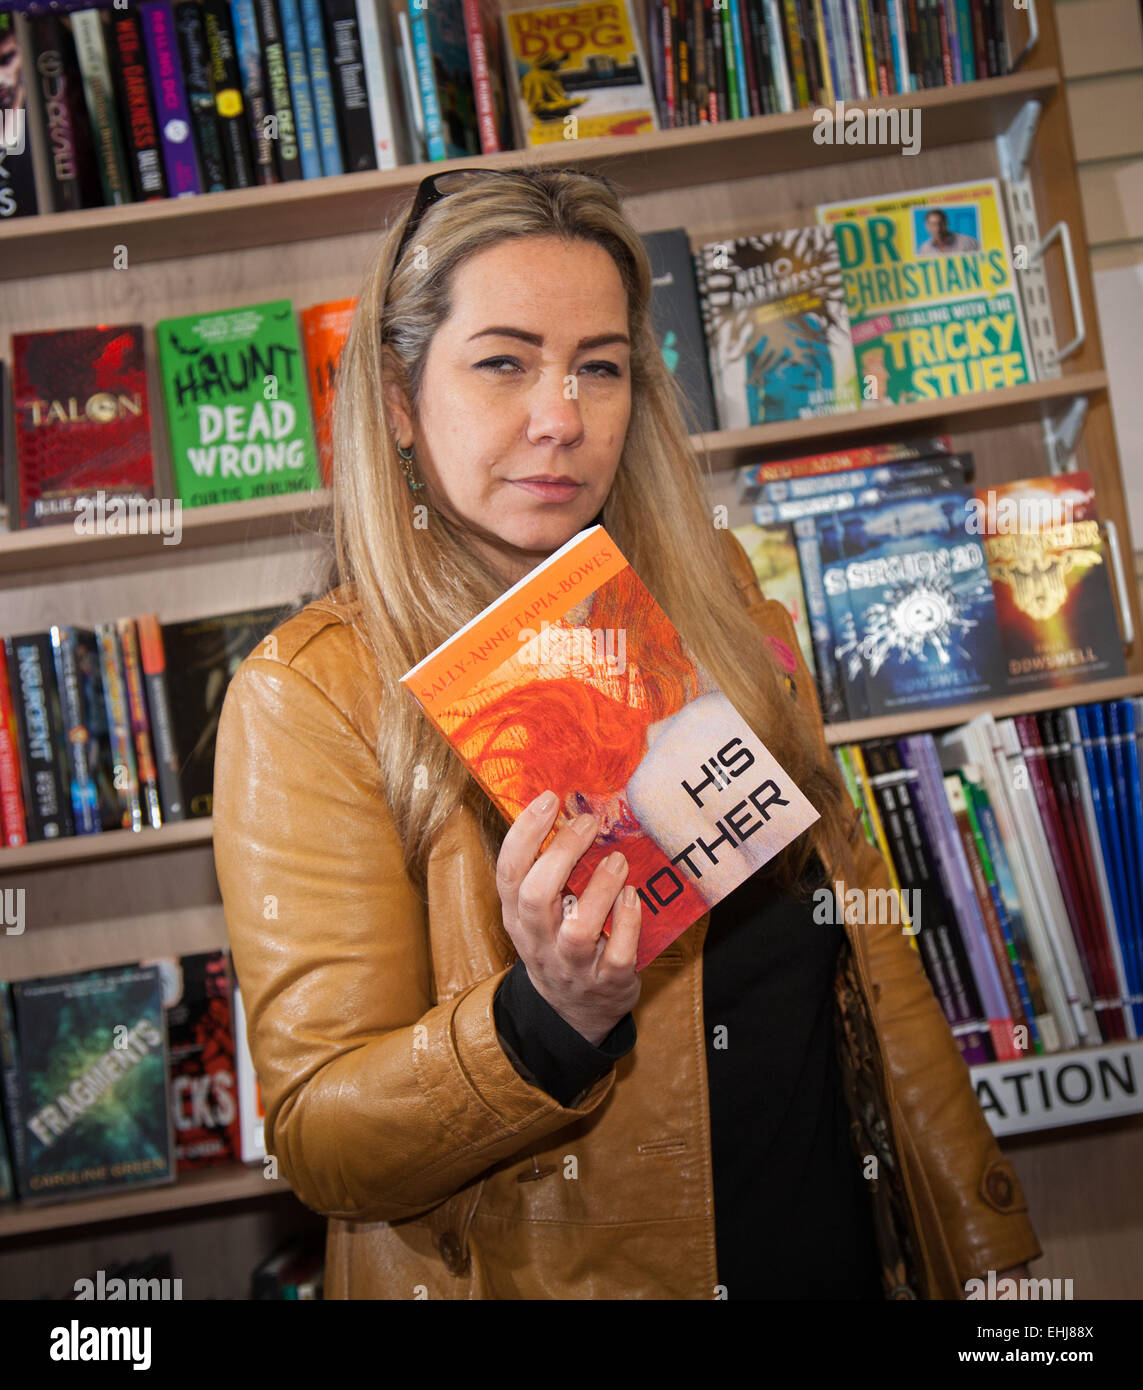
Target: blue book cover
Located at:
point(843, 629)
point(325, 113)
point(301, 94)
point(1121, 746)
point(736, 21)
point(817, 611)
point(925, 622)
point(422, 52)
point(452, 76)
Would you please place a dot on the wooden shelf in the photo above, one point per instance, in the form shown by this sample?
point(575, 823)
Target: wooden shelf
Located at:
point(1002, 707)
point(205, 224)
point(109, 844)
point(207, 1187)
point(50, 547)
point(53, 547)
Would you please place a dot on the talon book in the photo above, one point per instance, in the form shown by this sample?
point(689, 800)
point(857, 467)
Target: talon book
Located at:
point(575, 680)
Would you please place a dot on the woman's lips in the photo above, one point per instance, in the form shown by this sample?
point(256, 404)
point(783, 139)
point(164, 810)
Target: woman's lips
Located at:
point(549, 491)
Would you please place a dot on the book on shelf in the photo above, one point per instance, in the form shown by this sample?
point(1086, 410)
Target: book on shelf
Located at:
point(578, 67)
point(226, 85)
point(255, 88)
point(325, 328)
point(776, 326)
point(752, 481)
point(237, 407)
point(140, 125)
point(85, 1083)
point(251, 1113)
point(18, 183)
point(172, 109)
point(677, 321)
point(773, 553)
point(933, 300)
point(680, 783)
point(82, 420)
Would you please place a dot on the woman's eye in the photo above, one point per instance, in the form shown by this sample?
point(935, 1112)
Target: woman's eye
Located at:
point(498, 364)
point(602, 368)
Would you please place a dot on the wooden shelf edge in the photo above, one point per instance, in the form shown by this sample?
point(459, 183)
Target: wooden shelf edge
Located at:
point(914, 721)
point(209, 1187)
point(53, 243)
point(109, 844)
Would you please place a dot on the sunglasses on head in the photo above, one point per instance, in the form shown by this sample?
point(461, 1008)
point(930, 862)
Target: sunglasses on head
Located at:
point(437, 186)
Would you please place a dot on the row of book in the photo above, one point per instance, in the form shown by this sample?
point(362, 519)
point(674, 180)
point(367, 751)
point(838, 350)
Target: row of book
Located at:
point(909, 588)
point(113, 727)
point(893, 299)
point(124, 1077)
point(1016, 849)
point(754, 57)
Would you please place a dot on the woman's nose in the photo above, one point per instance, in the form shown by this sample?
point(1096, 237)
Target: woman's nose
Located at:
point(555, 411)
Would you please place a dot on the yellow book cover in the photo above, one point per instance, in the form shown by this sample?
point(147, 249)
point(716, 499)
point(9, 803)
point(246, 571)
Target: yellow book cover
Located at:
point(576, 680)
point(577, 71)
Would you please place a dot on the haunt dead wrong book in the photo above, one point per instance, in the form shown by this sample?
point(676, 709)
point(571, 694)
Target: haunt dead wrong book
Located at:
point(575, 680)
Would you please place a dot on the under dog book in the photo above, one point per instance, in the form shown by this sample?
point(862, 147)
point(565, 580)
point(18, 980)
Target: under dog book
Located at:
point(576, 680)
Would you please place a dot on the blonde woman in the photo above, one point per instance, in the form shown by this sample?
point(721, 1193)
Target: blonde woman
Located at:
point(483, 1096)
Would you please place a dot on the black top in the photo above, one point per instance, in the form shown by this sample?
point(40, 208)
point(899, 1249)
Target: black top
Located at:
point(793, 1217)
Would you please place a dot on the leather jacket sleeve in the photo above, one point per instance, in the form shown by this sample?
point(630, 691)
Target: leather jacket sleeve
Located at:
point(380, 1101)
point(945, 1138)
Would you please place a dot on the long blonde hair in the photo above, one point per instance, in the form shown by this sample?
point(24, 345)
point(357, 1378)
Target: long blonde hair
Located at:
point(414, 586)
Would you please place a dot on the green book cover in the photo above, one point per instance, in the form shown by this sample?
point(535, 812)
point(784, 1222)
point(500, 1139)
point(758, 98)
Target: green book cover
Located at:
point(237, 404)
point(92, 1101)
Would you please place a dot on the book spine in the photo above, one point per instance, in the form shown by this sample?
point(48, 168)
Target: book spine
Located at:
point(84, 799)
point(171, 110)
point(91, 51)
point(1129, 715)
point(135, 684)
point(946, 49)
point(123, 759)
point(148, 176)
point(32, 680)
point(351, 100)
point(325, 113)
point(856, 53)
point(760, 99)
point(995, 38)
point(885, 44)
point(919, 753)
point(426, 80)
point(278, 89)
point(779, 57)
point(831, 53)
point(1123, 794)
point(200, 94)
point(12, 1088)
point(153, 660)
point(817, 610)
point(383, 96)
point(703, 83)
point(952, 19)
point(227, 84)
point(687, 59)
point(979, 47)
point(666, 54)
point(671, 58)
point(718, 63)
point(913, 45)
point(17, 171)
point(797, 52)
point(481, 81)
point(965, 43)
point(254, 101)
point(54, 107)
point(301, 93)
point(11, 794)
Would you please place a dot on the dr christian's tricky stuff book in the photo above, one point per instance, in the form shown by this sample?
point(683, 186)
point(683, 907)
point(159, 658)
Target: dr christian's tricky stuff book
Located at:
point(575, 679)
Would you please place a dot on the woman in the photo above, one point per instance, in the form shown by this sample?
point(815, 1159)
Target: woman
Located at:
point(482, 1094)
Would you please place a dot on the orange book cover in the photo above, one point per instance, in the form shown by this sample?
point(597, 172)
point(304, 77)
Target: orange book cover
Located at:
point(325, 328)
point(576, 680)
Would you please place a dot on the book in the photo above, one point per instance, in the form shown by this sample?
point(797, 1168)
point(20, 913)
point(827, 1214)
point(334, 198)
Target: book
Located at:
point(677, 321)
point(347, 73)
point(152, 658)
point(191, 31)
point(301, 89)
point(660, 763)
point(577, 67)
point(202, 655)
point(226, 82)
point(83, 422)
point(94, 801)
point(12, 816)
point(1049, 572)
point(141, 130)
point(237, 407)
point(59, 116)
point(444, 73)
point(383, 82)
point(325, 327)
point(254, 89)
point(172, 111)
point(121, 745)
point(277, 73)
point(203, 1072)
point(776, 327)
point(486, 63)
point(17, 179)
point(127, 635)
point(90, 1100)
point(91, 51)
point(40, 728)
point(321, 86)
point(773, 552)
point(933, 302)
point(251, 1113)
point(750, 480)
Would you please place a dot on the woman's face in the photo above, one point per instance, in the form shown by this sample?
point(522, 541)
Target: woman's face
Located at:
point(526, 398)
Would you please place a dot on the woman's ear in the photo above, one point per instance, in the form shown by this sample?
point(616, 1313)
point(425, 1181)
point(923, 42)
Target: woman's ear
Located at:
point(396, 402)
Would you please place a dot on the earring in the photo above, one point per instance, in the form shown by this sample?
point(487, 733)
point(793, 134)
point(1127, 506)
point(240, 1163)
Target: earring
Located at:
point(407, 465)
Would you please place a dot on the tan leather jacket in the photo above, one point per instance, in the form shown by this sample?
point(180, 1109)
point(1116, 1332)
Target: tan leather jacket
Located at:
point(392, 1107)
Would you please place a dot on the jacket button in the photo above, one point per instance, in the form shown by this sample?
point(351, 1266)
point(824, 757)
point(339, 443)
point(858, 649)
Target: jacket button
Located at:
point(998, 1187)
point(451, 1253)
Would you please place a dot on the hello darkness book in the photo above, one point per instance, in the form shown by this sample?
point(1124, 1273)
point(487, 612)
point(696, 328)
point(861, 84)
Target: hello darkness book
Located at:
point(575, 680)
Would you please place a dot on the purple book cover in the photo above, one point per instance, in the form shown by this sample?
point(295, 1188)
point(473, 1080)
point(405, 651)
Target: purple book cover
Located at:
point(171, 108)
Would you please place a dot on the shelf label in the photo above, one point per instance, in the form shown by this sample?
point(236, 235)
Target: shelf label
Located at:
point(1063, 1088)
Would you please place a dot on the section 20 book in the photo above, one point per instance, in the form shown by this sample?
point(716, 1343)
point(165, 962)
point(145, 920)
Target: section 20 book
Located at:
point(237, 406)
point(934, 305)
point(575, 680)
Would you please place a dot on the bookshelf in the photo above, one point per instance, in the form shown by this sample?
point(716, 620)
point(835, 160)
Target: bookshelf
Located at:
point(93, 904)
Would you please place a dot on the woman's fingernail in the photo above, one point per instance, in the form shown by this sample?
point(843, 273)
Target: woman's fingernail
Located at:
point(614, 863)
point(585, 824)
point(544, 803)
point(627, 896)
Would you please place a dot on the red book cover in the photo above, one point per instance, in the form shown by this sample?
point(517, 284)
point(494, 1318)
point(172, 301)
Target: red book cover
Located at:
point(140, 721)
point(1102, 989)
point(11, 795)
point(325, 327)
point(493, 115)
point(203, 1078)
point(83, 422)
point(575, 680)
point(1049, 570)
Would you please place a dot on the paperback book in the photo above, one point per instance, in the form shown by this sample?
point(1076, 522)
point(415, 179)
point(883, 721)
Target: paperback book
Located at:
point(575, 680)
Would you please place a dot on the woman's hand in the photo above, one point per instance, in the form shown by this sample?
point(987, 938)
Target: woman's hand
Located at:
point(588, 978)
